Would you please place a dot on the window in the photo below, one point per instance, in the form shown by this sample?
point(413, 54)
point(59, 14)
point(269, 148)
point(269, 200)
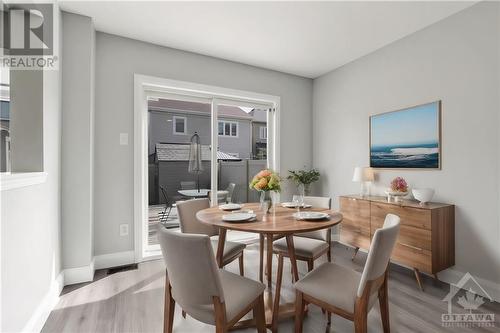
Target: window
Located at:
point(179, 125)
point(263, 132)
point(228, 128)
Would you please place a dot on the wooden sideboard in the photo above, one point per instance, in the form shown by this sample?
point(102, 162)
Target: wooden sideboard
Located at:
point(426, 239)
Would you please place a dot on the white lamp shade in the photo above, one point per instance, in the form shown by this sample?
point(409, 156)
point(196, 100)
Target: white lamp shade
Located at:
point(363, 175)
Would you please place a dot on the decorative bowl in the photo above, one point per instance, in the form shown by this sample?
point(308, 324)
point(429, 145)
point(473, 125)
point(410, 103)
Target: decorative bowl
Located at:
point(423, 195)
point(396, 193)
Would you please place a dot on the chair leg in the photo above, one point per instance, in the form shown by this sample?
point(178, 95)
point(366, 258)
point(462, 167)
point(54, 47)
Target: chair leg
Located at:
point(261, 252)
point(168, 214)
point(277, 296)
point(259, 315)
point(310, 265)
point(383, 300)
point(169, 309)
point(360, 322)
point(299, 311)
point(220, 316)
point(240, 259)
point(329, 253)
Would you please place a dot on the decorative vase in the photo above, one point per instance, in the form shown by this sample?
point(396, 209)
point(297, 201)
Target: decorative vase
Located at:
point(265, 202)
point(304, 189)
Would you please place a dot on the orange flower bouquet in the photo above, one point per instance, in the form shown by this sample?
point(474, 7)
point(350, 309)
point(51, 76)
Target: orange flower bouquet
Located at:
point(266, 181)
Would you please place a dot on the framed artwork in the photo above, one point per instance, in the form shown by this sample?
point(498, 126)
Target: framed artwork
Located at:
point(407, 139)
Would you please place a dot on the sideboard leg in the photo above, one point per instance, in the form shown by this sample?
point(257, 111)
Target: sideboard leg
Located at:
point(417, 277)
point(356, 249)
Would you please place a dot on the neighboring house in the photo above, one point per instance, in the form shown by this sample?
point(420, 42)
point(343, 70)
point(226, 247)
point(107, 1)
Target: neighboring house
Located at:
point(259, 134)
point(176, 121)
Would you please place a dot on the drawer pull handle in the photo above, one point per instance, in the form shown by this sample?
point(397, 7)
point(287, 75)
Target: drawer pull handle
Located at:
point(411, 246)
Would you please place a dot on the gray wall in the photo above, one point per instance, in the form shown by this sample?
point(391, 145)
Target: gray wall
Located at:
point(77, 140)
point(117, 59)
point(30, 225)
point(26, 124)
point(457, 61)
point(161, 130)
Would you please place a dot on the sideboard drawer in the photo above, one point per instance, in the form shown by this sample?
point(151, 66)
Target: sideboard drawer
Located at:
point(413, 257)
point(413, 217)
point(355, 226)
point(417, 238)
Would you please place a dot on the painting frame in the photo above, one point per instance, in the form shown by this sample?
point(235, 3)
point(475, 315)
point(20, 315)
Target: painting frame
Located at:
point(439, 138)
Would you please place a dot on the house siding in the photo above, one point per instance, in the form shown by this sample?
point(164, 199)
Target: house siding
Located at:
point(161, 130)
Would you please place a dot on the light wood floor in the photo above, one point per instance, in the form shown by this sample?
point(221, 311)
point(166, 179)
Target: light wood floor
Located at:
point(132, 301)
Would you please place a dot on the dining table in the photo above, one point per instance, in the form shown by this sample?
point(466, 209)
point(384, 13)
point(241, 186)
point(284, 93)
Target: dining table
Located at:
point(279, 222)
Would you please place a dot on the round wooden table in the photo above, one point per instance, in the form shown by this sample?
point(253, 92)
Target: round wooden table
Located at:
point(279, 222)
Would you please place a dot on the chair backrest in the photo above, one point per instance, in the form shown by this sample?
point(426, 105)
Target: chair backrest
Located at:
point(188, 185)
point(230, 191)
point(164, 194)
point(381, 248)
point(191, 268)
point(317, 202)
point(186, 210)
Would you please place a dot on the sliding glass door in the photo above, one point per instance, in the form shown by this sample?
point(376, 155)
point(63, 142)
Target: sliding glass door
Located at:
point(201, 147)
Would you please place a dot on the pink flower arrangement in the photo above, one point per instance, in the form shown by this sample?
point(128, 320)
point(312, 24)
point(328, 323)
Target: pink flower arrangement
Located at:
point(266, 180)
point(399, 184)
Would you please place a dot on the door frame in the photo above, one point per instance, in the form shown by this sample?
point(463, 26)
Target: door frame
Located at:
point(144, 84)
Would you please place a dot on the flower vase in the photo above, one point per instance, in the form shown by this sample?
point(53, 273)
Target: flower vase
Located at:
point(265, 202)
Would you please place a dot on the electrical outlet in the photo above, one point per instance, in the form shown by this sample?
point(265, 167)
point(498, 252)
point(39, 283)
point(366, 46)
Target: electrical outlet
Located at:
point(123, 229)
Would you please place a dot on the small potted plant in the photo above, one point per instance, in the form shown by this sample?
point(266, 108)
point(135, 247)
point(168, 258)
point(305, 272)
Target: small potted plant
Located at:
point(266, 181)
point(303, 179)
point(398, 188)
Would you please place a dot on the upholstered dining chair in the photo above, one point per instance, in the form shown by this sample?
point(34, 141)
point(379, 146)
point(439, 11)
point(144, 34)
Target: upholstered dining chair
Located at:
point(348, 293)
point(186, 210)
point(310, 245)
point(209, 294)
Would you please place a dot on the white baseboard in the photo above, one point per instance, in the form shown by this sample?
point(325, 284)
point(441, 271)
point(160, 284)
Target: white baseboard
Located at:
point(114, 259)
point(79, 274)
point(452, 276)
point(42, 312)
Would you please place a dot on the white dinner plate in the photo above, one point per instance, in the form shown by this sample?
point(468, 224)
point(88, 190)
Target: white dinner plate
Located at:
point(230, 206)
point(294, 205)
point(238, 217)
point(310, 216)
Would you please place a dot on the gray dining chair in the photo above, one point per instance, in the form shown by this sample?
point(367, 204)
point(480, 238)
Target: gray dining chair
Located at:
point(208, 294)
point(186, 210)
point(309, 246)
point(347, 293)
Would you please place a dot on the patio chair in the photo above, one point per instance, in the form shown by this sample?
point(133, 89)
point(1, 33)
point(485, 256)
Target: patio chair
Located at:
point(208, 294)
point(346, 292)
point(164, 215)
point(230, 191)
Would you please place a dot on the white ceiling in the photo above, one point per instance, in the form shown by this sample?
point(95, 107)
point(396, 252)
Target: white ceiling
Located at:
point(303, 38)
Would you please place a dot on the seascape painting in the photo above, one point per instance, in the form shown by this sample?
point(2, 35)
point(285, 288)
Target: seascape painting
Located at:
point(407, 139)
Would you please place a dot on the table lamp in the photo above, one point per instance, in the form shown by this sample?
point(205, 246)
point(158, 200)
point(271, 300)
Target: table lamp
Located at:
point(363, 175)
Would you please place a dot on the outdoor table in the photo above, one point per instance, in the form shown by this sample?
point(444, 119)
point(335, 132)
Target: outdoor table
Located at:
point(202, 193)
point(279, 222)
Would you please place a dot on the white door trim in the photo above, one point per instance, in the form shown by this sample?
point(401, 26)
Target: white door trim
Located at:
point(144, 84)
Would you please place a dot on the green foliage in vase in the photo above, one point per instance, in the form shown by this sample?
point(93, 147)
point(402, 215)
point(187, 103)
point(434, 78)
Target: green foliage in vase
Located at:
point(304, 177)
